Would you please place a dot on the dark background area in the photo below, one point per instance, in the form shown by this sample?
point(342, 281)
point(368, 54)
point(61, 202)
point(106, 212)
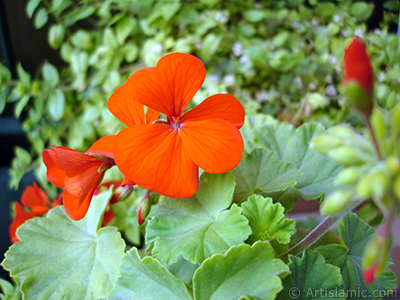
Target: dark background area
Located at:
point(21, 42)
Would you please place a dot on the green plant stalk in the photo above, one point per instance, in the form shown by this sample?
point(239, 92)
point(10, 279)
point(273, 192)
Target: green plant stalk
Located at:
point(373, 136)
point(319, 231)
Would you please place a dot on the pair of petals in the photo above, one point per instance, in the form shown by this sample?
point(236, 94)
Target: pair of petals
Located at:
point(77, 173)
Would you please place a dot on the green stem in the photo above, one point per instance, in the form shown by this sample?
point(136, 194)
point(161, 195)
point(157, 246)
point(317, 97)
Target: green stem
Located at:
point(374, 139)
point(319, 231)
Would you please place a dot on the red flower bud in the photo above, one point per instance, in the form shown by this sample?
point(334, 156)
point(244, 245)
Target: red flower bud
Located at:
point(370, 273)
point(359, 77)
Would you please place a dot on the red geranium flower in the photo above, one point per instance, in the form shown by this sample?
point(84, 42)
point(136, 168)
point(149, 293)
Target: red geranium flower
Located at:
point(79, 173)
point(37, 201)
point(165, 156)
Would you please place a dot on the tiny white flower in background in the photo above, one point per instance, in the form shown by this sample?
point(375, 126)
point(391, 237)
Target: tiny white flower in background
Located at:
point(314, 22)
point(221, 17)
point(359, 32)
point(249, 73)
point(312, 86)
point(377, 31)
point(244, 59)
point(337, 18)
point(237, 49)
point(294, 24)
point(299, 82)
point(213, 78)
point(345, 32)
point(398, 80)
point(333, 59)
point(210, 90)
point(229, 79)
point(330, 90)
point(262, 96)
point(328, 78)
point(157, 48)
point(199, 46)
point(257, 5)
point(381, 77)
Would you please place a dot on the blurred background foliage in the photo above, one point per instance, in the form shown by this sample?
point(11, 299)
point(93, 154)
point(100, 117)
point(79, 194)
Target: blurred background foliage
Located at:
point(281, 58)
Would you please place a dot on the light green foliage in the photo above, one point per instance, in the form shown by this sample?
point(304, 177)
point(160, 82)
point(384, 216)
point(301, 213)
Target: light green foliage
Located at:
point(146, 279)
point(312, 278)
point(266, 49)
point(242, 271)
point(58, 258)
point(355, 235)
point(199, 226)
point(265, 219)
point(261, 171)
point(9, 291)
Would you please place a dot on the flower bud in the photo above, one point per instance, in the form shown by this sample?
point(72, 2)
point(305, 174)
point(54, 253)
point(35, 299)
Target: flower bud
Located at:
point(395, 116)
point(324, 143)
point(370, 273)
point(358, 77)
point(342, 132)
point(380, 184)
point(393, 164)
point(396, 186)
point(144, 210)
point(347, 176)
point(345, 155)
point(335, 202)
point(378, 124)
point(364, 186)
point(373, 251)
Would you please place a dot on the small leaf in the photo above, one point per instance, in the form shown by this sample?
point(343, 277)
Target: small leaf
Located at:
point(199, 226)
point(55, 251)
point(265, 219)
point(146, 279)
point(21, 105)
point(24, 76)
point(312, 278)
point(210, 46)
point(31, 7)
point(124, 28)
point(41, 18)
point(56, 35)
point(242, 271)
point(260, 172)
point(50, 75)
point(56, 104)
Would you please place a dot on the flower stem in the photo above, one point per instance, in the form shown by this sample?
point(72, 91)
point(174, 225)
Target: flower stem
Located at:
point(319, 231)
point(373, 136)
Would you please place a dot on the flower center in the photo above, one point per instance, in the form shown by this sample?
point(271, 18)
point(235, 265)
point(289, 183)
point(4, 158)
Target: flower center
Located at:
point(175, 122)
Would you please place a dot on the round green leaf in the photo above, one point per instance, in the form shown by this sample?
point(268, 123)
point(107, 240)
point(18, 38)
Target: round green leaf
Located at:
point(243, 271)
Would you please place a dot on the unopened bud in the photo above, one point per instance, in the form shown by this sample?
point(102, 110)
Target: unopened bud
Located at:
point(335, 202)
point(373, 251)
point(393, 164)
point(345, 155)
point(396, 186)
point(364, 186)
point(378, 124)
point(325, 143)
point(395, 116)
point(370, 273)
point(380, 184)
point(144, 210)
point(342, 132)
point(347, 176)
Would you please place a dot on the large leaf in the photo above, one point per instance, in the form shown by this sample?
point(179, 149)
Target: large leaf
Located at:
point(312, 278)
point(146, 279)
point(356, 235)
point(58, 258)
point(265, 219)
point(242, 271)
point(291, 145)
point(199, 226)
point(261, 171)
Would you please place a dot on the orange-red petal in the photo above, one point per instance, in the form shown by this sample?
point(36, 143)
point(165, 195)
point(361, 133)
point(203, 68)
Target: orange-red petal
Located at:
point(35, 198)
point(103, 146)
point(54, 174)
point(216, 146)
point(21, 215)
point(168, 88)
point(152, 156)
point(76, 208)
point(123, 104)
point(220, 106)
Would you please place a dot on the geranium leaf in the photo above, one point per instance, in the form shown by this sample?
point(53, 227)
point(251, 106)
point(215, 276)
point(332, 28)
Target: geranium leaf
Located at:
point(261, 171)
point(356, 235)
point(146, 279)
point(244, 270)
point(292, 145)
point(55, 251)
point(199, 226)
point(265, 219)
point(312, 278)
